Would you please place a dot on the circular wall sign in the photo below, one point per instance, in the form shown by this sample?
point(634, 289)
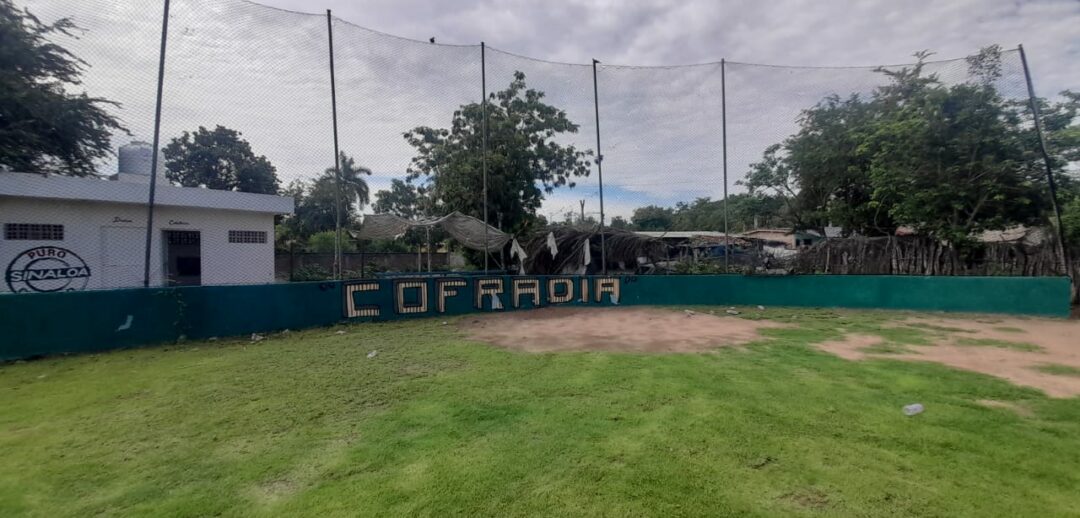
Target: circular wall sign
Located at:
point(45, 269)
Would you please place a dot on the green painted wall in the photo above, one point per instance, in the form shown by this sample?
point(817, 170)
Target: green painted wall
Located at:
point(34, 324)
point(1037, 296)
point(74, 322)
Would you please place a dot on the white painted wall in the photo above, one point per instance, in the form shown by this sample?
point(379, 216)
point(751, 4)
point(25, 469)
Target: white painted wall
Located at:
point(109, 237)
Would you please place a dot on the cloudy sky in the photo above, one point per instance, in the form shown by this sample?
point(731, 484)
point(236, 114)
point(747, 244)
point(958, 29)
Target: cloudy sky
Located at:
point(264, 71)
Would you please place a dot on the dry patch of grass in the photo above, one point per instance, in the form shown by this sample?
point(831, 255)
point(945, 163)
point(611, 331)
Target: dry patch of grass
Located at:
point(994, 342)
point(1058, 370)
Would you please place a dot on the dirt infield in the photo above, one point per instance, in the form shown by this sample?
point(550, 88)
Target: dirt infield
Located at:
point(1038, 353)
point(1044, 354)
point(646, 330)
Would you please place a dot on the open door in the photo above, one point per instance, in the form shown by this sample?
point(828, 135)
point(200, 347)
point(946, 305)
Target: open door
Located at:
point(183, 258)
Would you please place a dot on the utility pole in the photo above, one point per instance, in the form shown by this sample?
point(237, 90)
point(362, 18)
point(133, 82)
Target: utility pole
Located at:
point(1036, 116)
point(582, 212)
point(723, 126)
point(599, 166)
point(337, 162)
point(154, 156)
point(483, 153)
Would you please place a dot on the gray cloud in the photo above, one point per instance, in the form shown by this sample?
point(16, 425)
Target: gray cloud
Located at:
point(264, 71)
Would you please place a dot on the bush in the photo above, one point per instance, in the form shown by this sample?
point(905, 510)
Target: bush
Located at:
point(323, 242)
point(312, 272)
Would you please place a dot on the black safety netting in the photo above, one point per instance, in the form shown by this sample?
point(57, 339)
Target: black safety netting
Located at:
point(730, 165)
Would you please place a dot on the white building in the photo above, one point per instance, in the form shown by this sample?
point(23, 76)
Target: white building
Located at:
point(63, 233)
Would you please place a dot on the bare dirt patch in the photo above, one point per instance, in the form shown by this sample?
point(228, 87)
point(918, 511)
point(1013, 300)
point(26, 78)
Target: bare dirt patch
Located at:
point(643, 330)
point(1009, 348)
point(852, 346)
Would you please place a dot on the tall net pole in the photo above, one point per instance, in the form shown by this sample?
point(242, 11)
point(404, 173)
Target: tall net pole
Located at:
point(1046, 160)
point(599, 166)
point(154, 151)
point(483, 149)
point(337, 165)
point(723, 138)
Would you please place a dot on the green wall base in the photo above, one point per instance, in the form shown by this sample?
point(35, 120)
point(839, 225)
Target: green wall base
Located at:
point(77, 322)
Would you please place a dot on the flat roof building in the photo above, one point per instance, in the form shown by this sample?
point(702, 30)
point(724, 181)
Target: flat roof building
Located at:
point(63, 233)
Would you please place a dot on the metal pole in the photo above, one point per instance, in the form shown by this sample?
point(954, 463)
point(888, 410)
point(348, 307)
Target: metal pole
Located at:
point(157, 141)
point(599, 166)
point(723, 132)
point(337, 164)
point(1046, 160)
point(483, 155)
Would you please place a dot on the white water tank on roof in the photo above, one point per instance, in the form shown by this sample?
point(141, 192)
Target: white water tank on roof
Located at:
point(136, 158)
point(135, 161)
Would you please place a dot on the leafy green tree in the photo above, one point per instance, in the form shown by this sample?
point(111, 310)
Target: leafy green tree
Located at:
point(745, 212)
point(524, 159)
point(653, 218)
point(949, 161)
point(620, 223)
point(218, 159)
point(749, 211)
point(316, 200)
point(43, 126)
point(323, 243)
point(316, 206)
point(1070, 221)
point(403, 199)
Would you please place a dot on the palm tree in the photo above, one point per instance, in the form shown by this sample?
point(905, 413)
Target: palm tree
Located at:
point(353, 186)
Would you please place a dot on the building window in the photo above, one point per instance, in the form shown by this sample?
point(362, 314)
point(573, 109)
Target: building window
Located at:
point(33, 232)
point(247, 236)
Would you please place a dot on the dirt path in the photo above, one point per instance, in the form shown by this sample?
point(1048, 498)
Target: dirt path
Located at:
point(647, 330)
point(1011, 348)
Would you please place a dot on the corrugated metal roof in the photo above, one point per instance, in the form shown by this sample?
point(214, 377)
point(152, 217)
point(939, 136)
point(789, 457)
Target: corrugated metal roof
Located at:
point(680, 234)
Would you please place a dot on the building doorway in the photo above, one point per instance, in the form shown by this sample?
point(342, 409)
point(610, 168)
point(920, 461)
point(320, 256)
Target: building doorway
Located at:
point(183, 258)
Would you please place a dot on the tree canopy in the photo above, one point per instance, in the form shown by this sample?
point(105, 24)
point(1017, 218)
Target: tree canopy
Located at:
point(316, 200)
point(946, 160)
point(403, 199)
point(43, 126)
point(219, 159)
point(524, 160)
point(745, 212)
point(354, 189)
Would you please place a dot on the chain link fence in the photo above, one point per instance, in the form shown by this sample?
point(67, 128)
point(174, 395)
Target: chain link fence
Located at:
point(733, 167)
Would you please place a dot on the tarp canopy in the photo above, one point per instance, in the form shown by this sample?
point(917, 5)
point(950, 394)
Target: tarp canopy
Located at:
point(467, 230)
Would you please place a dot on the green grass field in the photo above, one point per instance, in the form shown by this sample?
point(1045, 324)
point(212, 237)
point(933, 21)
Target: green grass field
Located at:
point(305, 423)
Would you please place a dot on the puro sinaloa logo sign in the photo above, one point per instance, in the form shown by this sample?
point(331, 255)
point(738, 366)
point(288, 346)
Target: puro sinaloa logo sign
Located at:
point(47, 269)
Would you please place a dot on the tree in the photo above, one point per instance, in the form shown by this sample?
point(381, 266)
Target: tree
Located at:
point(316, 200)
point(745, 212)
point(353, 187)
point(653, 217)
point(749, 211)
point(818, 173)
point(1070, 220)
point(949, 161)
point(619, 222)
point(524, 159)
point(43, 126)
point(403, 199)
point(218, 159)
point(323, 243)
